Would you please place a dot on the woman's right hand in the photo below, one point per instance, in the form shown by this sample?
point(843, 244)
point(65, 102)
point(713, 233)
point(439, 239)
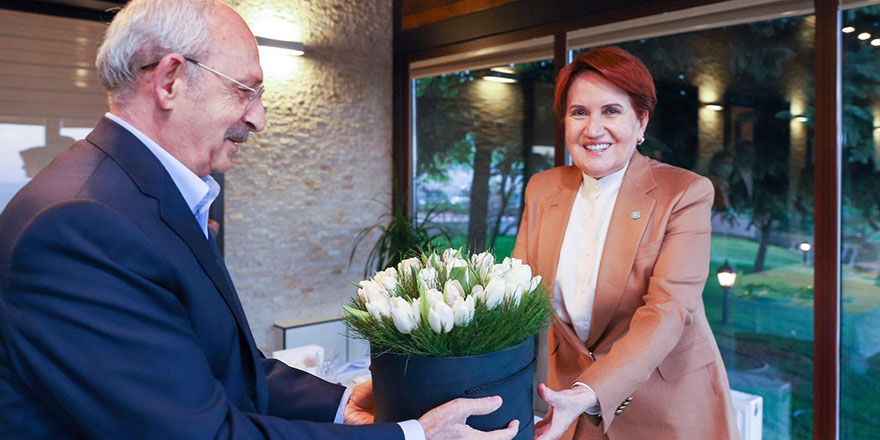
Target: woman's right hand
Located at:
point(565, 407)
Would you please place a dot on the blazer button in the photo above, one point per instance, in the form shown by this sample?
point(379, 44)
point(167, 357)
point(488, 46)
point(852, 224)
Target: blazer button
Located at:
point(629, 399)
point(618, 412)
point(624, 404)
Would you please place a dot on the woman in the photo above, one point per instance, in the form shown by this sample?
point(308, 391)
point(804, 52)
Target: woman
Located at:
point(623, 242)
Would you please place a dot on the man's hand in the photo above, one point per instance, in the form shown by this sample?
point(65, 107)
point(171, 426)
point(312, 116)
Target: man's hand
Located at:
point(447, 421)
point(359, 409)
point(565, 407)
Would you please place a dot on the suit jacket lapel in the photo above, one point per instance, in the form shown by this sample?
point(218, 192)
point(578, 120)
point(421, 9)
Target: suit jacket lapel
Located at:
point(622, 242)
point(152, 179)
point(554, 220)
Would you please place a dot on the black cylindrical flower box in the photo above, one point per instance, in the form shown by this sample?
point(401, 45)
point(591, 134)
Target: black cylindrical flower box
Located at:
point(406, 387)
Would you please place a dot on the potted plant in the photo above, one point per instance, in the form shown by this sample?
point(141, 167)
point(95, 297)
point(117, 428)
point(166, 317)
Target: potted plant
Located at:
point(443, 326)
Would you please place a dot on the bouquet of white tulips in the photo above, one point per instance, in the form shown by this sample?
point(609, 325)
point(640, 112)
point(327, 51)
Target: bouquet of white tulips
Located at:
point(440, 305)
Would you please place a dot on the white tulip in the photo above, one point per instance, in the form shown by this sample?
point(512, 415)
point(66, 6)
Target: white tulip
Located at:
point(478, 292)
point(536, 281)
point(379, 308)
point(387, 279)
point(499, 270)
point(452, 291)
point(404, 268)
point(402, 314)
point(361, 294)
point(429, 276)
point(522, 276)
point(417, 310)
point(449, 254)
point(513, 291)
point(434, 296)
point(440, 317)
point(457, 262)
point(463, 311)
point(494, 293)
point(482, 263)
point(371, 291)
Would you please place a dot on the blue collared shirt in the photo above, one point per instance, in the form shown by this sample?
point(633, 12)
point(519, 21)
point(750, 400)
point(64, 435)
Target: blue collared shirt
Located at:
point(198, 192)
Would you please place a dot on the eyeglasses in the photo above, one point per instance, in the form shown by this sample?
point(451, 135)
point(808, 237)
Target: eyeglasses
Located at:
point(253, 94)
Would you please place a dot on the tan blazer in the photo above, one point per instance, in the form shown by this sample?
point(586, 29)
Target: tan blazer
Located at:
point(650, 356)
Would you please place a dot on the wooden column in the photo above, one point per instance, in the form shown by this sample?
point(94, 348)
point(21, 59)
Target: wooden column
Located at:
point(826, 308)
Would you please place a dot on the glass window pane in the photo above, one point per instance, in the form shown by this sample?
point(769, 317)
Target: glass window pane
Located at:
point(735, 104)
point(50, 94)
point(479, 135)
point(860, 253)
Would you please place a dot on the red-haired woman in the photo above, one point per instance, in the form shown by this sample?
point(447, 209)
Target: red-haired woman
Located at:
point(623, 242)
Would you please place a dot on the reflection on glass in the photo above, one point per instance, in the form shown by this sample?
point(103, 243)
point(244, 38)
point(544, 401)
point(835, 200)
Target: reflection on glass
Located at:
point(50, 92)
point(479, 136)
point(735, 104)
point(860, 254)
point(15, 140)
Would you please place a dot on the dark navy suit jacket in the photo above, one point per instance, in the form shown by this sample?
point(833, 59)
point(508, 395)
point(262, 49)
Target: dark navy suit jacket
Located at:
point(119, 320)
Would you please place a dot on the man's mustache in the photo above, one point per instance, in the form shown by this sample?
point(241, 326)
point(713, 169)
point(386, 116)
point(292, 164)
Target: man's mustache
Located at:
point(238, 133)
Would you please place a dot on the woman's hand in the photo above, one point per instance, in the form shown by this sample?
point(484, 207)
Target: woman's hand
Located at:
point(565, 407)
point(359, 410)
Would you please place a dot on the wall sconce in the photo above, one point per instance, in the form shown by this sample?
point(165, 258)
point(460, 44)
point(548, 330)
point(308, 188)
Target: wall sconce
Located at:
point(289, 47)
point(801, 118)
point(715, 107)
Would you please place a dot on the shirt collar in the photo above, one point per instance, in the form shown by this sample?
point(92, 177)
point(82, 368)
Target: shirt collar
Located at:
point(196, 191)
point(594, 187)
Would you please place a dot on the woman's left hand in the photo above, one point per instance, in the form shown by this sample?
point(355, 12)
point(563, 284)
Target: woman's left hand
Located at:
point(359, 409)
point(565, 407)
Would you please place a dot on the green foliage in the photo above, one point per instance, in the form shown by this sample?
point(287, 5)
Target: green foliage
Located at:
point(399, 239)
point(489, 330)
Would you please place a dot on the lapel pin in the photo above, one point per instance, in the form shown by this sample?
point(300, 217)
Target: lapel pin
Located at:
point(636, 215)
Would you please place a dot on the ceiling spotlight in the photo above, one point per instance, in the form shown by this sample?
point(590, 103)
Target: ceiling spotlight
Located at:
point(864, 36)
point(875, 42)
point(801, 118)
point(848, 30)
point(715, 107)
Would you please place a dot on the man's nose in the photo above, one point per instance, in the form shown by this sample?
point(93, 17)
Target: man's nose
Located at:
point(255, 116)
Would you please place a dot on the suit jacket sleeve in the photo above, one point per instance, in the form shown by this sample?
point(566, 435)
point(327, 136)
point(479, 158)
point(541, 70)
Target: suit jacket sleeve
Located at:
point(95, 328)
point(673, 295)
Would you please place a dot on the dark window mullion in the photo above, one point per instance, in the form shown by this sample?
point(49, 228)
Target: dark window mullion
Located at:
point(826, 353)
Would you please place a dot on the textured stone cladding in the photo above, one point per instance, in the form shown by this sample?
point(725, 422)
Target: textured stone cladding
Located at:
point(300, 191)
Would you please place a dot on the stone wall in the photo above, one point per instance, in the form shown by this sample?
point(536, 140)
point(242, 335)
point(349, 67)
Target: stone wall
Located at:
point(301, 190)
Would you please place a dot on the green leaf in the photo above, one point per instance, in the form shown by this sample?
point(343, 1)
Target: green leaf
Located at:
point(360, 314)
point(459, 274)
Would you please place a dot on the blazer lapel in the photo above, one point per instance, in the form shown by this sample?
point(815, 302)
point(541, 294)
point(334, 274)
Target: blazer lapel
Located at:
point(152, 179)
point(622, 242)
point(554, 220)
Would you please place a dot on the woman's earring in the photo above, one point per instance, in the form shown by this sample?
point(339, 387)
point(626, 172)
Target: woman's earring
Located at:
point(641, 140)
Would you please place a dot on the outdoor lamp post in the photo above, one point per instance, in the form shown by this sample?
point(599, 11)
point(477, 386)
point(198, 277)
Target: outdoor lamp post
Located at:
point(805, 248)
point(726, 279)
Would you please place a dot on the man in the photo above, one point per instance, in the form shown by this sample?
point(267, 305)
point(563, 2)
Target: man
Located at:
point(118, 318)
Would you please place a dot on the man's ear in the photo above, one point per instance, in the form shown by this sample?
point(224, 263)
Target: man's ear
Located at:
point(168, 80)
